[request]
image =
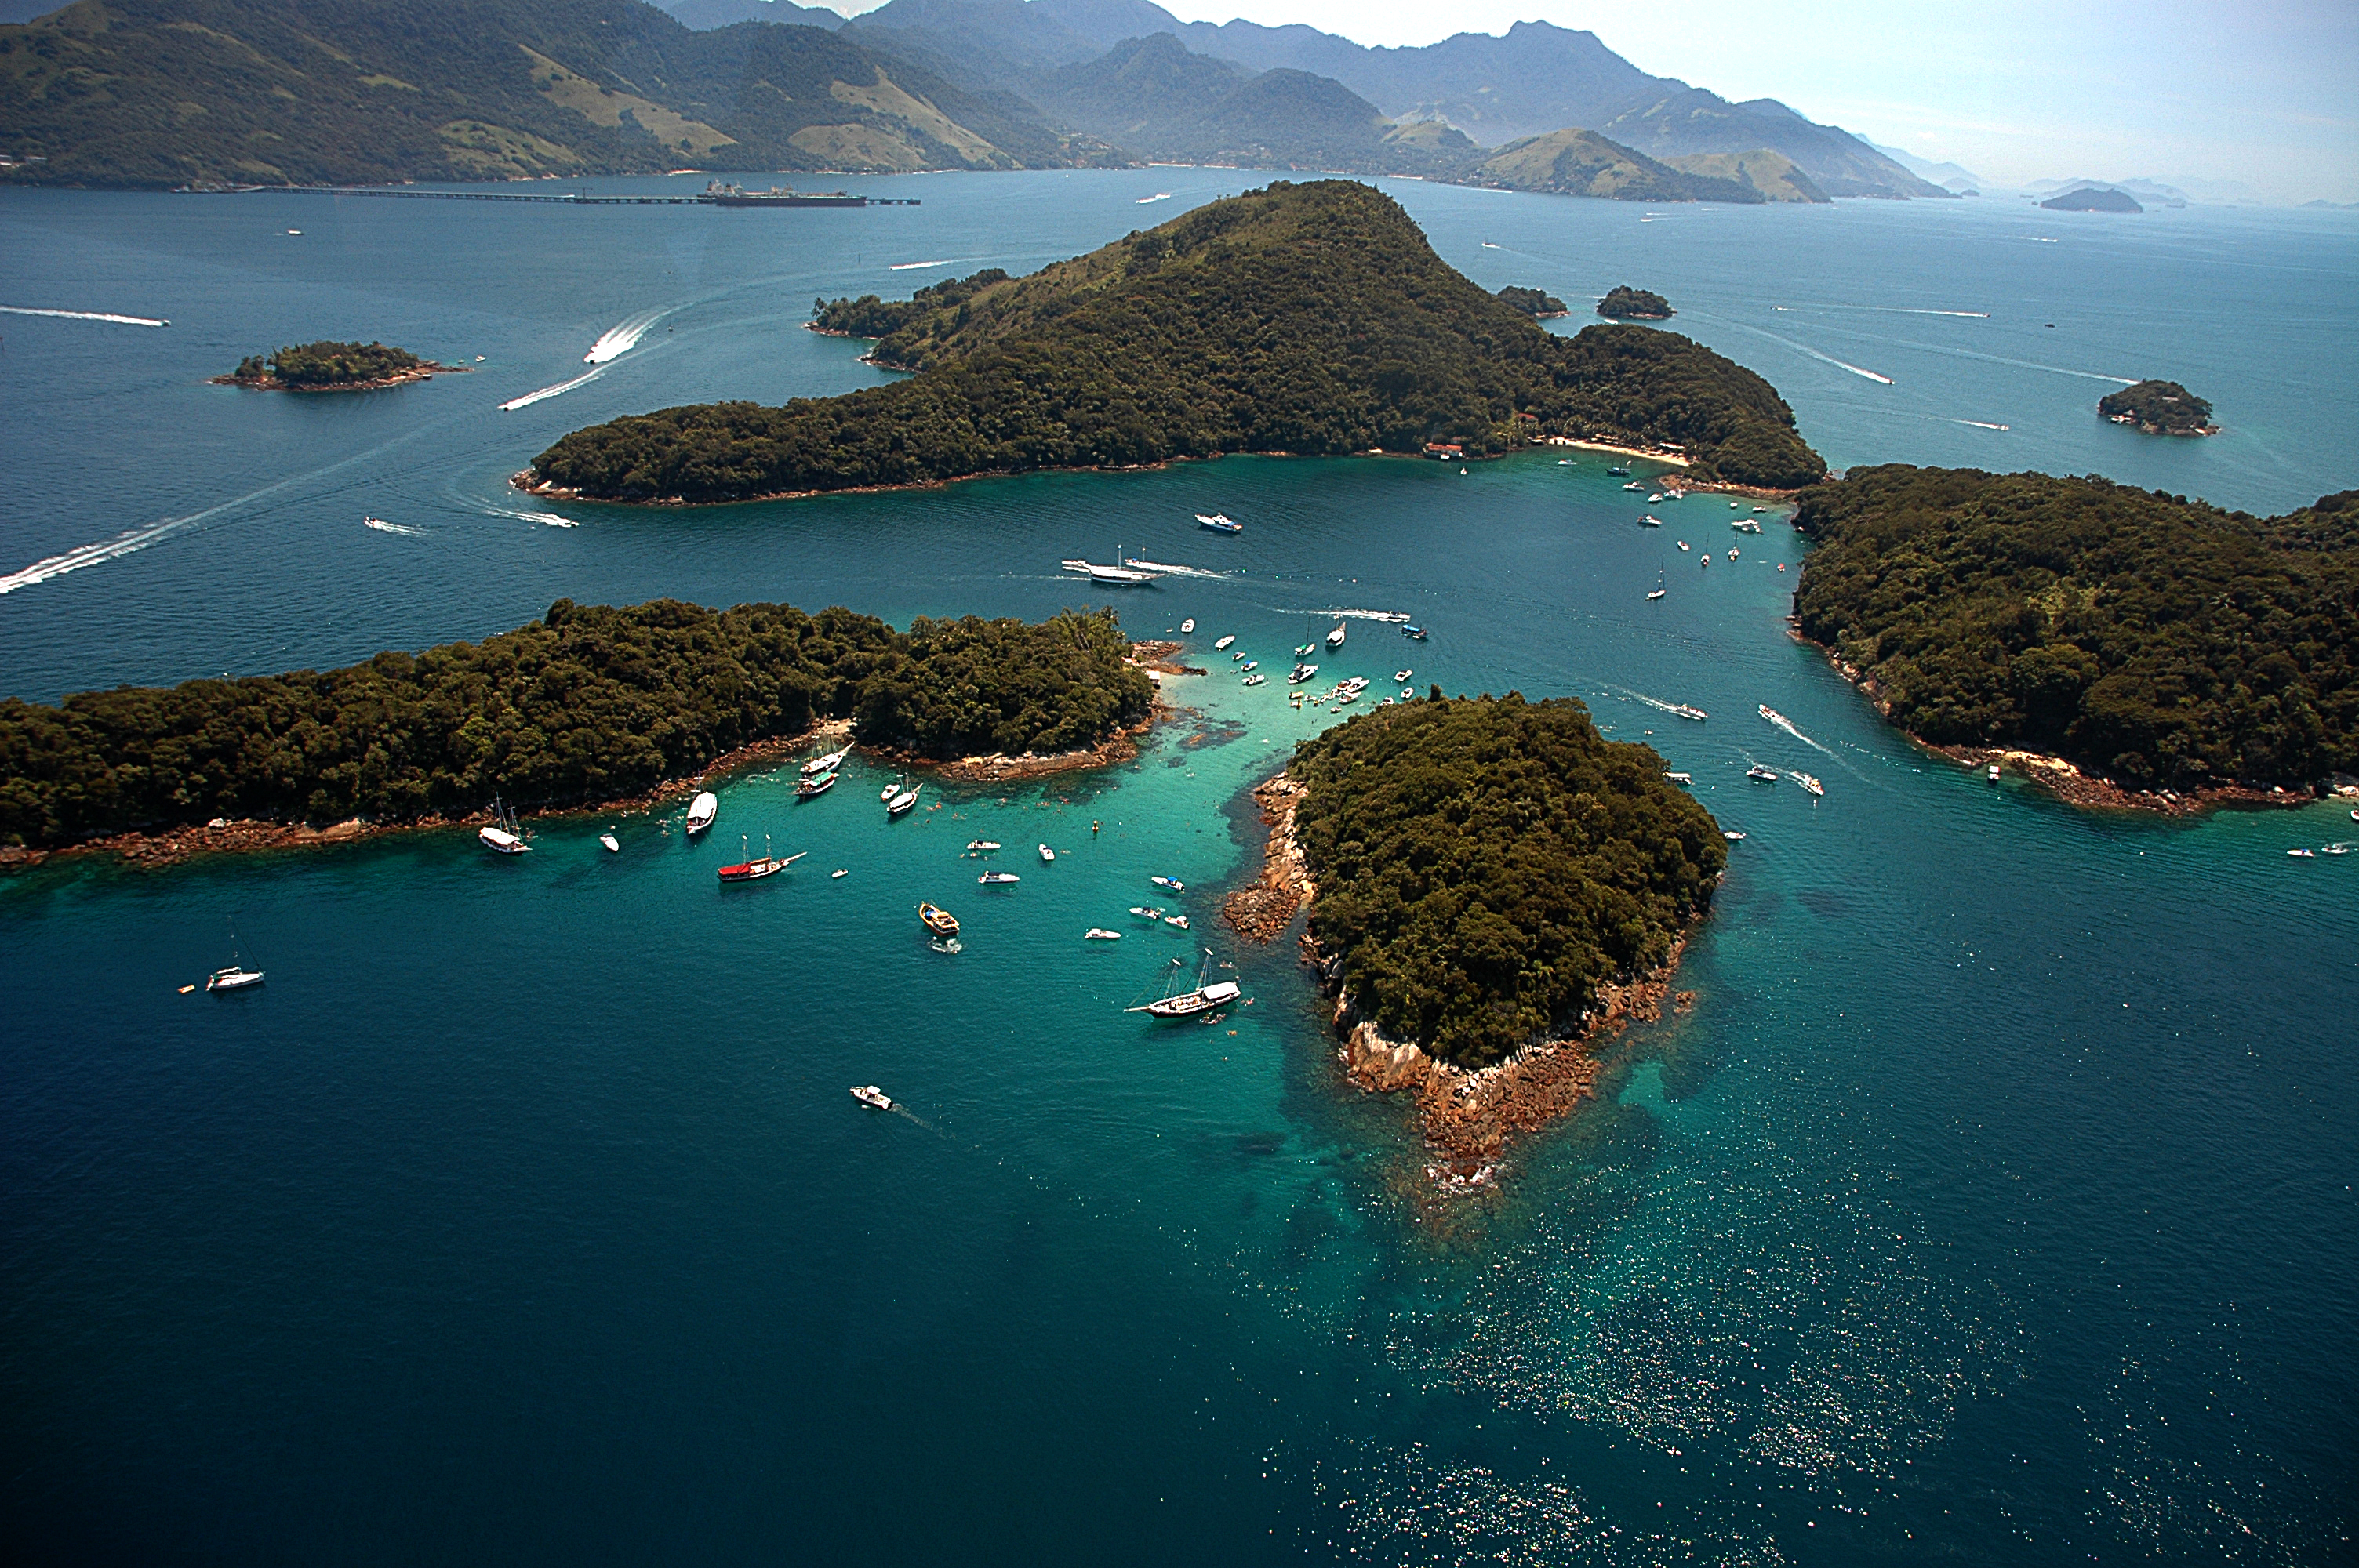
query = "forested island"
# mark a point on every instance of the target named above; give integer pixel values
(332, 367)
(2159, 408)
(2157, 642)
(1624, 303)
(1534, 303)
(589, 704)
(1301, 319)
(1495, 884)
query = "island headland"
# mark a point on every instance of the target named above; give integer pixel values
(1309, 319)
(591, 704)
(1624, 303)
(2124, 647)
(1538, 303)
(1495, 889)
(332, 367)
(2159, 408)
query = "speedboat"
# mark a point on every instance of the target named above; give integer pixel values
(1774, 716)
(1681, 778)
(1235, 656)
(1655, 497)
(1249, 664)
(2297, 854)
(1220, 523)
(1223, 643)
(826, 764)
(1682, 710)
(1305, 651)
(1048, 855)
(816, 784)
(612, 845)
(1707, 558)
(1402, 674)
(1407, 693)
(1146, 911)
(1188, 626)
(1335, 638)
(1182, 921)
(871, 1096)
(937, 920)
(1174, 883)
(1683, 543)
(702, 810)
(1732, 553)
(1634, 484)
(902, 802)
(993, 879)
(980, 845)
(1617, 471)
(1732, 835)
(1301, 673)
(1099, 933)
(1255, 680)
(839, 872)
(2334, 848)
(1808, 782)
(1765, 775)
(1657, 593)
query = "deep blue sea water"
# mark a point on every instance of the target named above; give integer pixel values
(1994, 1203)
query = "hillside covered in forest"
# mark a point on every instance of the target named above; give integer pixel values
(2158, 642)
(171, 93)
(1484, 864)
(588, 704)
(1305, 318)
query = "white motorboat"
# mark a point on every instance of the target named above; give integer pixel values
(1732, 835)
(1655, 497)
(1188, 627)
(1764, 775)
(1683, 545)
(1190, 1003)
(1255, 680)
(1221, 522)
(1993, 774)
(1179, 919)
(1335, 638)
(1146, 911)
(1402, 675)
(1682, 710)
(996, 879)
(1048, 855)
(826, 764)
(871, 1096)
(1223, 643)
(1634, 484)
(839, 872)
(1774, 716)
(980, 845)
(612, 845)
(901, 803)
(1174, 883)
(1683, 779)
(1301, 673)
(1808, 782)
(892, 789)
(2297, 854)
(702, 810)
(1099, 933)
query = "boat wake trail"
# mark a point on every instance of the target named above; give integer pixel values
(1389, 616)
(900, 1110)
(73, 560)
(86, 316)
(1890, 309)
(382, 526)
(1167, 569)
(546, 393)
(622, 338)
(921, 266)
(1823, 358)
(549, 518)
(1650, 701)
(1782, 722)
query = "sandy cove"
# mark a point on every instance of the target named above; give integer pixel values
(2062, 779)
(1466, 1116)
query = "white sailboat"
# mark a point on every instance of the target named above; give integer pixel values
(506, 837)
(1190, 1003)
(702, 811)
(1335, 638)
(902, 802)
(826, 764)
(236, 977)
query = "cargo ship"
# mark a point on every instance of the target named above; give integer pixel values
(722, 195)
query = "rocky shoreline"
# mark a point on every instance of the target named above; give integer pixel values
(2063, 779)
(1466, 1117)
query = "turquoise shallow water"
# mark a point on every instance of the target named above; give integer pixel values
(1993, 1200)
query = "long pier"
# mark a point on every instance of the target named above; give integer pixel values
(571, 198)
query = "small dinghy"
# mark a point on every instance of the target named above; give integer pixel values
(1048, 855)
(1188, 627)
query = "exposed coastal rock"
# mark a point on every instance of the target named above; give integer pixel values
(425, 371)
(1466, 1116)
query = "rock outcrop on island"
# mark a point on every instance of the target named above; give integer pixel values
(2093, 199)
(332, 367)
(1309, 319)
(2159, 408)
(2159, 643)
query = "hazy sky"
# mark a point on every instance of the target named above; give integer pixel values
(2265, 92)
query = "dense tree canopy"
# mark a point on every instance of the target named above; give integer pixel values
(2159, 641)
(1625, 303)
(587, 704)
(870, 317)
(1305, 318)
(327, 364)
(1483, 864)
(1532, 301)
(2159, 408)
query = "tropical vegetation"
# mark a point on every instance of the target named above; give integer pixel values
(870, 317)
(325, 364)
(1483, 864)
(1625, 303)
(1304, 319)
(2160, 641)
(2159, 408)
(1533, 301)
(589, 703)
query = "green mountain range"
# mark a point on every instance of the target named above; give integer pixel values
(1582, 163)
(1304, 319)
(168, 92)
